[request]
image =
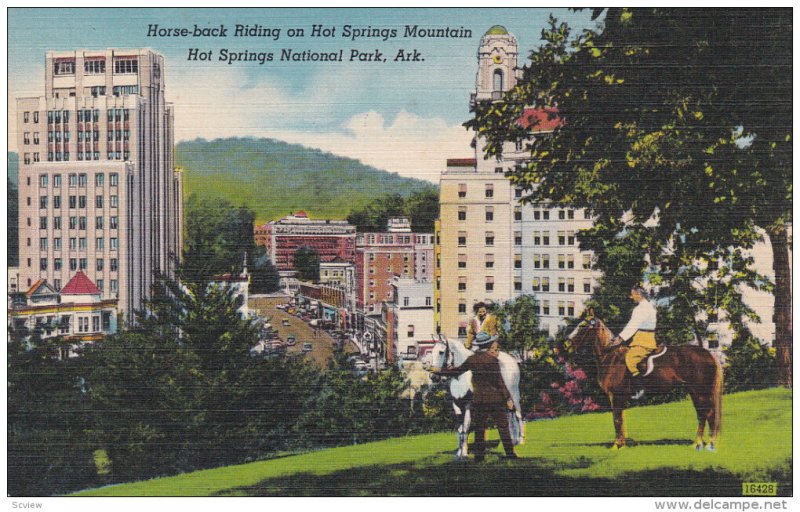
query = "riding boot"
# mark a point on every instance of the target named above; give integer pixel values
(637, 384)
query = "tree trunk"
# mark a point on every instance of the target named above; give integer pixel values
(782, 315)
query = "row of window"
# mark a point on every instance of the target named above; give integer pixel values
(79, 222)
(565, 261)
(26, 116)
(78, 264)
(96, 66)
(77, 201)
(79, 180)
(78, 243)
(565, 238)
(565, 285)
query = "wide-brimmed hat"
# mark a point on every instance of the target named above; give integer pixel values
(484, 339)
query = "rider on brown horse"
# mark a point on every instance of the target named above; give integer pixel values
(642, 328)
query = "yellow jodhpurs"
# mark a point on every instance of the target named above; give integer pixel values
(641, 346)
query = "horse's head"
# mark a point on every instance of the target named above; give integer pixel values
(591, 329)
(440, 355)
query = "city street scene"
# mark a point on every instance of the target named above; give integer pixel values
(356, 252)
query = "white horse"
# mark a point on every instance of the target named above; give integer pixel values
(454, 353)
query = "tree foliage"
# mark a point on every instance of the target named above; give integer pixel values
(677, 138)
(421, 208)
(518, 325)
(306, 263)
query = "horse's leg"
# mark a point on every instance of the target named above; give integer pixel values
(617, 408)
(703, 411)
(463, 450)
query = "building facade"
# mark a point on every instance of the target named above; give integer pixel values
(492, 247)
(408, 318)
(382, 256)
(98, 191)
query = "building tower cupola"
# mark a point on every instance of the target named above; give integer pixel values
(497, 63)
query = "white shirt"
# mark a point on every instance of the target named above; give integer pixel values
(643, 317)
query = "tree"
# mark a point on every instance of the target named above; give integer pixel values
(218, 235)
(518, 325)
(306, 263)
(672, 131)
(421, 208)
(264, 277)
(12, 228)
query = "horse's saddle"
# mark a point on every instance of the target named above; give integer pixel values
(647, 365)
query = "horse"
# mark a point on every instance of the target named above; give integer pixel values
(453, 354)
(690, 366)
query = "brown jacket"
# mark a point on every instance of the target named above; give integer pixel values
(487, 381)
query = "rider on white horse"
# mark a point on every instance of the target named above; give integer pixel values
(491, 396)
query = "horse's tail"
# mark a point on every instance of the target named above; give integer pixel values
(716, 397)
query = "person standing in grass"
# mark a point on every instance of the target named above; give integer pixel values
(491, 400)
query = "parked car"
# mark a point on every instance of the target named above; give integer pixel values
(285, 323)
(291, 341)
(280, 306)
(308, 347)
(291, 311)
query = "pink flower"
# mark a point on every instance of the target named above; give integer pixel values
(579, 374)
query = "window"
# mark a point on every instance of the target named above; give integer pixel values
(536, 284)
(517, 193)
(537, 215)
(545, 284)
(26, 116)
(73, 180)
(570, 284)
(42, 263)
(113, 201)
(561, 261)
(497, 81)
(462, 307)
(98, 222)
(561, 308)
(99, 264)
(82, 223)
(517, 285)
(82, 243)
(26, 158)
(98, 201)
(73, 222)
(545, 238)
(517, 213)
(124, 90)
(462, 238)
(537, 238)
(36, 139)
(462, 284)
(43, 180)
(545, 261)
(462, 213)
(99, 178)
(428, 301)
(113, 264)
(587, 215)
(587, 285)
(489, 190)
(73, 244)
(94, 66)
(83, 263)
(462, 331)
(561, 215)
(43, 202)
(571, 238)
(35, 157)
(537, 261)
(489, 214)
(113, 285)
(570, 261)
(125, 65)
(113, 179)
(570, 214)
(56, 181)
(489, 261)
(489, 238)
(57, 243)
(462, 190)
(42, 222)
(546, 307)
(57, 264)
(43, 244)
(462, 261)
(81, 201)
(36, 117)
(545, 215)
(56, 202)
(489, 283)
(73, 201)
(517, 237)
(99, 243)
(83, 180)
(517, 261)
(64, 67)
(113, 244)
(73, 264)
(561, 284)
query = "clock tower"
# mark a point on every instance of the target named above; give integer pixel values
(497, 63)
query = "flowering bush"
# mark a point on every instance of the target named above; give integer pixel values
(555, 387)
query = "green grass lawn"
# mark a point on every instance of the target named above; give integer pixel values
(564, 457)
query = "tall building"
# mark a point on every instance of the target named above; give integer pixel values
(98, 191)
(490, 246)
(381, 256)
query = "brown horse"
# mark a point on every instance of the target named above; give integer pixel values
(695, 368)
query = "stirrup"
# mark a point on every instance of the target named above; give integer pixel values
(638, 395)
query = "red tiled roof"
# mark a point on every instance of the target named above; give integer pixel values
(461, 162)
(301, 213)
(80, 285)
(540, 119)
(35, 287)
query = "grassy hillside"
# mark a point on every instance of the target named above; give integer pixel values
(275, 178)
(564, 457)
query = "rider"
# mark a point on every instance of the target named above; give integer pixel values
(642, 329)
(482, 322)
(491, 399)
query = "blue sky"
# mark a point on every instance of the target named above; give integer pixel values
(403, 117)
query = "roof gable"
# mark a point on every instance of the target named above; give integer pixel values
(80, 284)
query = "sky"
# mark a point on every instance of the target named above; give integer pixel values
(380, 113)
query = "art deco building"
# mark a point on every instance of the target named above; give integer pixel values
(492, 247)
(98, 191)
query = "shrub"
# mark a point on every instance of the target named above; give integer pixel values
(749, 365)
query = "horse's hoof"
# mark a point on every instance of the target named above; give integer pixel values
(698, 447)
(711, 448)
(616, 447)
